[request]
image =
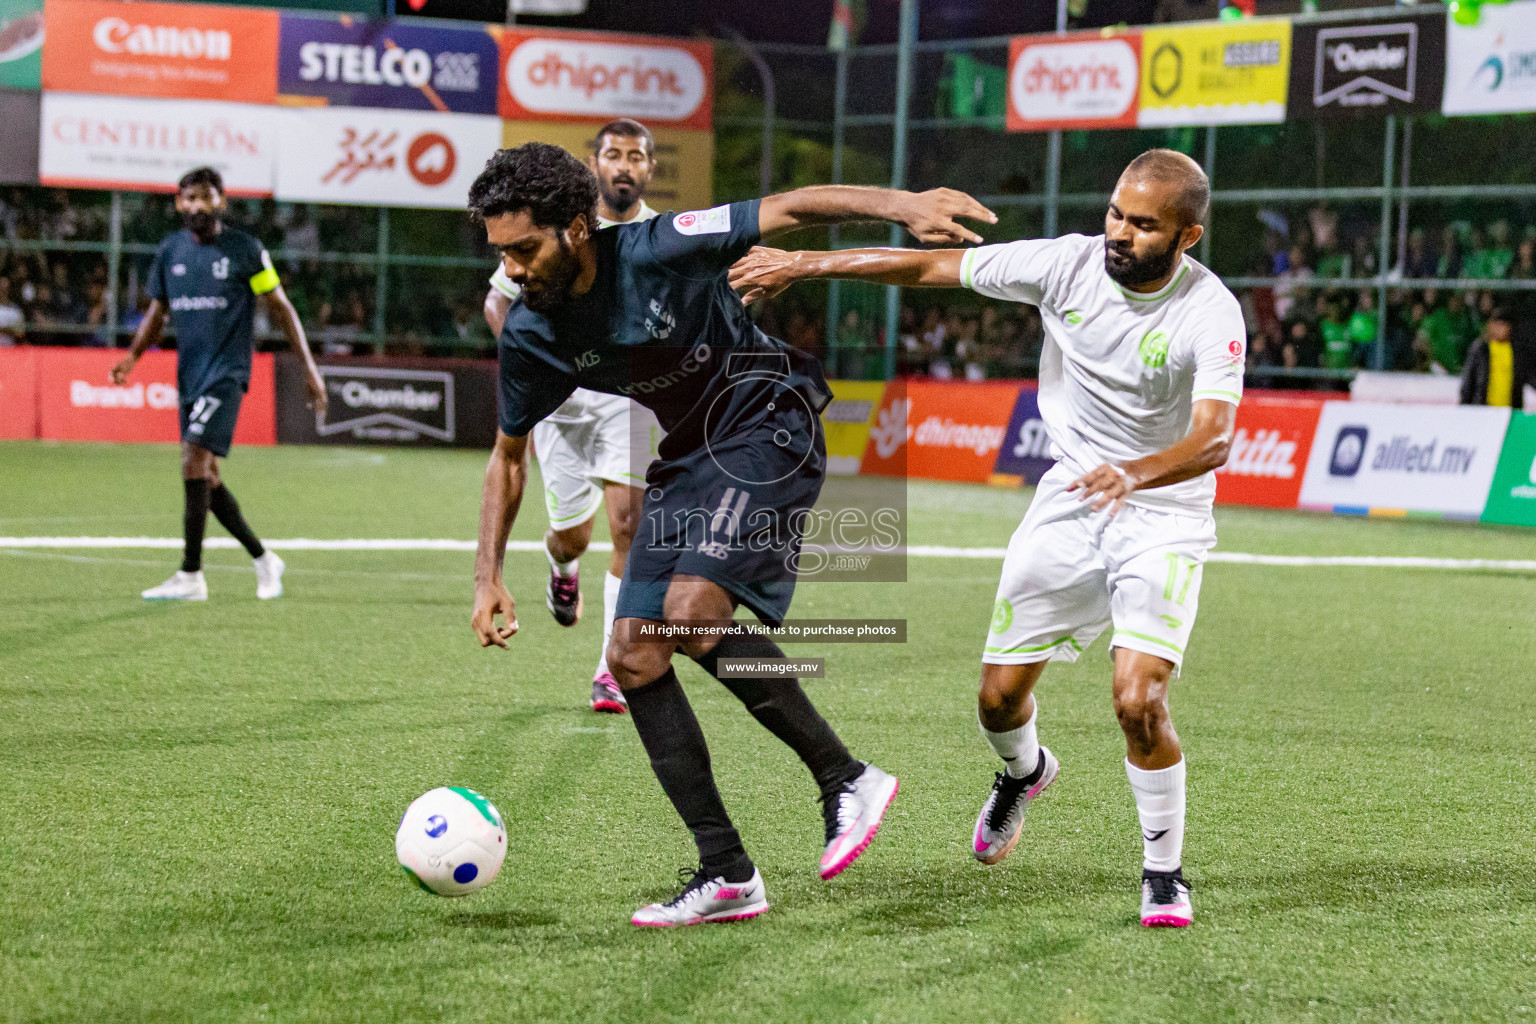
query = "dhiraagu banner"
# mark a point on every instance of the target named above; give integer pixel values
(1216, 73)
(1512, 497)
(21, 44)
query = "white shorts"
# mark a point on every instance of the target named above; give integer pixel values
(592, 440)
(1070, 572)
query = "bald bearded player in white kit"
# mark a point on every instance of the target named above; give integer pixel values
(1140, 378)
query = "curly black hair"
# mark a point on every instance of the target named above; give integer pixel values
(551, 184)
(202, 176)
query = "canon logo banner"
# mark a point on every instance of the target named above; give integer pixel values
(169, 50)
(566, 78)
(114, 35)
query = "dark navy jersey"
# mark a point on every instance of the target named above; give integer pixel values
(662, 326)
(210, 292)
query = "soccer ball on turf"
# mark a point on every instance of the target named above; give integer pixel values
(451, 841)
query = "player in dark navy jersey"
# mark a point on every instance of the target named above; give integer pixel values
(209, 278)
(645, 310)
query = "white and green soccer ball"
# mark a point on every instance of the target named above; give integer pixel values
(451, 841)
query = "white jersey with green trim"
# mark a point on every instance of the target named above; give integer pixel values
(583, 404)
(1120, 370)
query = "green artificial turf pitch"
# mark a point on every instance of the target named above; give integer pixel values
(197, 803)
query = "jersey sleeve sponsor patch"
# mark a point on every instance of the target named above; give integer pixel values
(265, 279)
(703, 222)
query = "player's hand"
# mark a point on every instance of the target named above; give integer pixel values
(491, 600)
(1106, 487)
(932, 216)
(762, 273)
(121, 371)
(316, 388)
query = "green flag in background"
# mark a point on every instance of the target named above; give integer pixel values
(848, 18)
(21, 44)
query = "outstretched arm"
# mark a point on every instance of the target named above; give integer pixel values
(280, 309)
(1203, 449)
(147, 334)
(764, 272)
(931, 216)
(505, 477)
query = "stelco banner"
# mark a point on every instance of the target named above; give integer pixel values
(1080, 80)
(383, 157)
(1221, 73)
(1490, 67)
(1367, 67)
(1026, 452)
(175, 50)
(586, 77)
(117, 142)
(357, 63)
(1395, 459)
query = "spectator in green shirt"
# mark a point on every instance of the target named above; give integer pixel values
(1338, 348)
(1362, 324)
(1447, 333)
(1501, 251)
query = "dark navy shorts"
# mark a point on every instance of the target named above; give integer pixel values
(733, 512)
(208, 419)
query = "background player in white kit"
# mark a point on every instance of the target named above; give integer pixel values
(1140, 378)
(595, 446)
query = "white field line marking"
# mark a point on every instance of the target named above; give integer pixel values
(916, 551)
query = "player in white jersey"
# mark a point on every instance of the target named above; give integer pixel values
(595, 446)
(1140, 378)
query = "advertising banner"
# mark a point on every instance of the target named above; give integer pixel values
(941, 430)
(20, 114)
(1341, 68)
(1026, 451)
(685, 158)
(1512, 496)
(1370, 459)
(551, 76)
(183, 51)
(77, 400)
(116, 142)
(351, 62)
(18, 393)
(1490, 67)
(383, 157)
(426, 402)
(1269, 451)
(1079, 80)
(846, 423)
(1219, 73)
(22, 30)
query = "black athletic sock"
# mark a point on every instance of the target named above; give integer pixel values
(194, 519)
(782, 707)
(223, 505)
(672, 738)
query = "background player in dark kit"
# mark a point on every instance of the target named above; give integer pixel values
(209, 278)
(645, 310)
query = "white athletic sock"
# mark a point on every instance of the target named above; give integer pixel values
(610, 602)
(565, 569)
(1019, 748)
(1160, 806)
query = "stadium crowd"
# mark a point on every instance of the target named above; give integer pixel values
(54, 290)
